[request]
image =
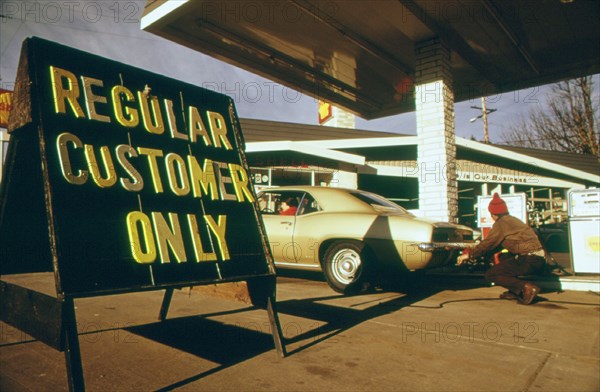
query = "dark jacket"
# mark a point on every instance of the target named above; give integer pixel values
(511, 234)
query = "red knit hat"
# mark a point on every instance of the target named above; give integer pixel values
(497, 206)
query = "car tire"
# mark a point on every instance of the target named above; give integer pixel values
(344, 266)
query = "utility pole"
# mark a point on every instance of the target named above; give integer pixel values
(486, 134)
(484, 113)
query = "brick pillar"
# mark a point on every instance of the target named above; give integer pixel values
(345, 175)
(436, 151)
(342, 118)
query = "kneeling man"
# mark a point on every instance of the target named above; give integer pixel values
(525, 253)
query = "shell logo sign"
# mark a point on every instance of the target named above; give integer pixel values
(325, 112)
(5, 107)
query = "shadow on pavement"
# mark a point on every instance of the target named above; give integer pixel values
(338, 319)
(228, 345)
(220, 343)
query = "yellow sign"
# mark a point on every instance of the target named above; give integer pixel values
(5, 107)
(325, 111)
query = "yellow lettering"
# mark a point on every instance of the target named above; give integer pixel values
(152, 154)
(65, 162)
(137, 220)
(201, 256)
(172, 160)
(155, 124)
(202, 179)
(218, 129)
(123, 151)
(196, 127)
(60, 93)
(175, 134)
(219, 230)
(169, 238)
(111, 174)
(222, 180)
(240, 183)
(91, 99)
(132, 119)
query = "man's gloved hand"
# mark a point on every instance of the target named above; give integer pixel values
(462, 258)
(465, 255)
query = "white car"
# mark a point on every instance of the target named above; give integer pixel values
(353, 236)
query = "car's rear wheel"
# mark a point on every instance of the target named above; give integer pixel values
(344, 266)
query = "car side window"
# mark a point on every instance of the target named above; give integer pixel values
(308, 205)
(279, 203)
(267, 202)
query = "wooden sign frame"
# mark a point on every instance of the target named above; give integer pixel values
(120, 180)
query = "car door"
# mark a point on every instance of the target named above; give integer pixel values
(306, 246)
(280, 228)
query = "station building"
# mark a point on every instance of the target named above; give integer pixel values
(386, 163)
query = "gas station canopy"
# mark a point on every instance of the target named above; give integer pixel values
(360, 55)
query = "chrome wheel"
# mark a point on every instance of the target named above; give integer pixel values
(346, 266)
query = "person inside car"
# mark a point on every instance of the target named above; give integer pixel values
(289, 206)
(525, 253)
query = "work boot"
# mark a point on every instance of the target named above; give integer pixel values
(509, 295)
(529, 293)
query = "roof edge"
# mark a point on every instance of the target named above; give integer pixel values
(505, 153)
(156, 10)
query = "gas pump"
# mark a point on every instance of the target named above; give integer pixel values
(584, 230)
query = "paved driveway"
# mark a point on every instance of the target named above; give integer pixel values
(442, 336)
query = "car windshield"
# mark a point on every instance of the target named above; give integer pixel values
(378, 202)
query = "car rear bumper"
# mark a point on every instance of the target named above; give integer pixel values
(444, 246)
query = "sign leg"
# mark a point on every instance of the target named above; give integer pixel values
(275, 327)
(72, 351)
(164, 308)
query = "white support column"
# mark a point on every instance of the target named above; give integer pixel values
(497, 189)
(484, 189)
(436, 152)
(343, 67)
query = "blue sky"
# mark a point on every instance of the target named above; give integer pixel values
(112, 29)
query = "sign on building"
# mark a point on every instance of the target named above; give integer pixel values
(5, 107)
(516, 203)
(325, 112)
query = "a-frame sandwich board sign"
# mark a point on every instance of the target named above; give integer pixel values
(120, 180)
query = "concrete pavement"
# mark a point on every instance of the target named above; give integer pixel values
(442, 336)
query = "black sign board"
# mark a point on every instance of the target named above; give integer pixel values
(144, 178)
(118, 179)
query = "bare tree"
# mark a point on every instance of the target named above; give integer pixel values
(568, 123)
